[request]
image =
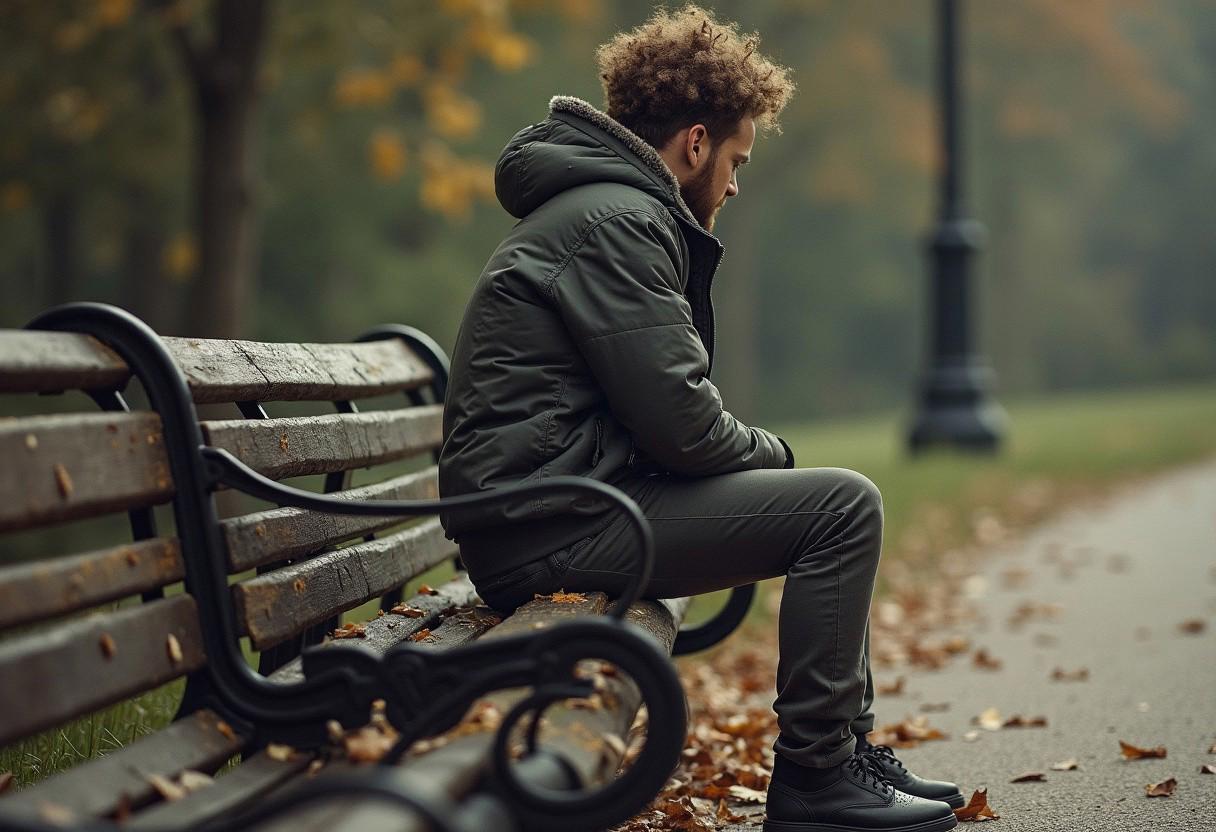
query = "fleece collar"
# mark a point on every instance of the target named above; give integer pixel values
(640, 147)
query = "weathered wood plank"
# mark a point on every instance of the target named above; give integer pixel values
(80, 465)
(47, 588)
(279, 604)
(60, 672)
(48, 362)
(301, 445)
(97, 788)
(254, 778)
(386, 631)
(288, 533)
(228, 371)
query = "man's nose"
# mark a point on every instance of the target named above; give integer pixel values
(732, 187)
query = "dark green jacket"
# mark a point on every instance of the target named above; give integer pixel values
(587, 344)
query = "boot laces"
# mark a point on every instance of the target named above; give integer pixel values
(865, 768)
(886, 754)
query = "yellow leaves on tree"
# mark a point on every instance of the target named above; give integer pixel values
(450, 113)
(179, 258)
(386, 155)
(363, 88)
(450, 185)
(14, 196)
(113, 12)
(74, 115)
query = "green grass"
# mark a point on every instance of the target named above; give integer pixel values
(1059, 449)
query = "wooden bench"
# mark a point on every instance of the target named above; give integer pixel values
(177, 600)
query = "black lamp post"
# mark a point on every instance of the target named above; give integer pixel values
(956, 407)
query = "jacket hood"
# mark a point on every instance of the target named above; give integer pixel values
(579, 145)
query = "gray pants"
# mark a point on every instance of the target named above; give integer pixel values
(821, 528)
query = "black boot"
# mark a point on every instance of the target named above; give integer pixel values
(894, 772)
(850, 797)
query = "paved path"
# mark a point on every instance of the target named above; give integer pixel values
(1125, 574)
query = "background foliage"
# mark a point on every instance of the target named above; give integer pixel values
(364, 192)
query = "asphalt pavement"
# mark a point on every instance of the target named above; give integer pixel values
(1105, 591)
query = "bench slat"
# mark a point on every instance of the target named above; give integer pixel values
(277, 605)
(286, 533)
(255, 777)
(389, 630)
(48, 362)
(230, 371)
(299, 445)
(47, 588)
(57, 673)
(81, 465)
(96, 788)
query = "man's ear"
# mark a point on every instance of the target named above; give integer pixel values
(696, 145)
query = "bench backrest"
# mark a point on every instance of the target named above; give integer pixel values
(81, 630)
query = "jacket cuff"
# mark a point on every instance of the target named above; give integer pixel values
(789, 454)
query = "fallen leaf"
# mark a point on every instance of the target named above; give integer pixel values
(369, 744)
(724, 813)
(174, 648)
(424, 633)
(1212, 750)
(350, 630)
(108, 647)
(1059, 674)
(425, 589)
(283, 443)
(1030, 777)
(56, 815)
(989, 720)
(279, 752)
(226, 729)
(745, 795)
(983, 660)
(166, 788)
(1165, 788)
(563, 597)
(1066, 765)
(1193, 626)
(191, 780)
(408, 611)
(1132, 752)
(894, 689)
(63, 480)
(1019, 721)
(1206, 768)
(977, 809)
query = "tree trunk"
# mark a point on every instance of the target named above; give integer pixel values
(145, 289)
(226, 86)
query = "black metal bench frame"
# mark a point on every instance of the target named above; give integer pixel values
(425, 692)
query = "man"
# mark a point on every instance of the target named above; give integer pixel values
(586, 350)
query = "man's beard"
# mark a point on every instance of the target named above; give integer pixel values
(698, 194)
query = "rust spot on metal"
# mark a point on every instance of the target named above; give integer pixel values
(63, 480)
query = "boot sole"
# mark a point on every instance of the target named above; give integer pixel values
(935, 825)
(954, 801)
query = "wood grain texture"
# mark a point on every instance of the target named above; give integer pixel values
(49, 362)
(277, 605)
(301, 445)
(386, 631)
(53, 674)
(235, 791)
(96, 788)
(288, 533)
(229, 371)
(46, 588)
(80, 465)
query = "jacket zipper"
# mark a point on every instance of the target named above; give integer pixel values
(599, 442)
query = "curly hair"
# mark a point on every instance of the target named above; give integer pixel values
(684, 67)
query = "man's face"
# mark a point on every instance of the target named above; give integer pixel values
(705, 192)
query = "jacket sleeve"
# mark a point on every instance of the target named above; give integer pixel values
(620, 297)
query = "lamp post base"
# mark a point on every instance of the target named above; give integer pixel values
(957, 410)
